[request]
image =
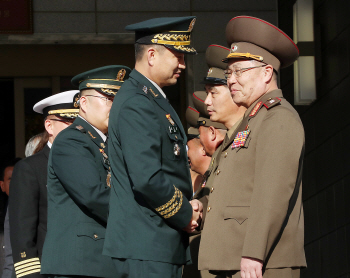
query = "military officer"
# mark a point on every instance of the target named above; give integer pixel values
(201, 163)
(211, 133)
(79, 181)
(255, 207)
(151, 186)
(28, 201)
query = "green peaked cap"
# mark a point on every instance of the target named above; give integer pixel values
(172, 32)
(106, 80)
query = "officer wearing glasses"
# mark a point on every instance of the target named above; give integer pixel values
(28, 201)
(254, 222)
(79, 182)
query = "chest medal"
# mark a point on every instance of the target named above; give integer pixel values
(240, 139)
(176, 149)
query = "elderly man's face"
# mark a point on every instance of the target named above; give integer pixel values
(249, 85)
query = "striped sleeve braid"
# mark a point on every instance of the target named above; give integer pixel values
(27, 267)
(173, 206)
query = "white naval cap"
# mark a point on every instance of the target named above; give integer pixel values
(62, 104)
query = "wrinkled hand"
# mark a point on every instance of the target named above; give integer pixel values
(251, 268)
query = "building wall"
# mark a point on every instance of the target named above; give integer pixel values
(74, 36)
(326, 179)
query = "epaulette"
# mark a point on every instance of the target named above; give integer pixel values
(80, 128)
(271, 102)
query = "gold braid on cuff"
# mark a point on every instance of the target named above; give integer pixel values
(173, 206)
(27, 267)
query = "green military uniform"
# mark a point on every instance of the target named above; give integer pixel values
(151, 185)
(78, 190)
(255, 206)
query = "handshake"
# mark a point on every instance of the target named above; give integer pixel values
(197, 214)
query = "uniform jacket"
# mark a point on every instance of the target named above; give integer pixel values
(77, 204)
(255, 208)
(28, 212)
(151, 183)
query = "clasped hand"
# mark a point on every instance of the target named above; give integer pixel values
(197, 213)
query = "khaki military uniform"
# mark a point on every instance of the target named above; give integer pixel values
(255, 207)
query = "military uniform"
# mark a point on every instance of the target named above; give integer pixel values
(198, 118)
(255, 205)
(146, 134)
(78, 190)
(28, 201)
(151, 185)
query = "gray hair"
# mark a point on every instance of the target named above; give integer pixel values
(32, 144)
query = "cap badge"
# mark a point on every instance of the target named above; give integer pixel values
(121, 75)
(210, 71)
(176, 149)
(170, 119)
(144, 89)
(240, 139)
(191, 25)
(234, 48)
(76, 101)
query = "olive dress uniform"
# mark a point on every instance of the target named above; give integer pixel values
(255, 206)
(78, 199)
(28, 194)
(252, 203)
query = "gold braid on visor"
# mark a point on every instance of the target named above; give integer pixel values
(246, 55)
(171, 42)
(61, 111)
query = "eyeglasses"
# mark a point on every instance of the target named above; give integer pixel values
(237, 71)
(108, 100)
(67, 121)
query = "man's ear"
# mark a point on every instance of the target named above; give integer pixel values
(83, 102)
(49, 127)
(151, 55)
(268, 73)
(203, 153)
(212, 133)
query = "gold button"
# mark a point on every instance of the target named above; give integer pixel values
(95, 236)
(225, 155)
(208, 209)
(218, 172)
(175, 137)
(211, 190)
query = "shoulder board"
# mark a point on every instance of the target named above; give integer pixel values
(271, 102)
(80, 128)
